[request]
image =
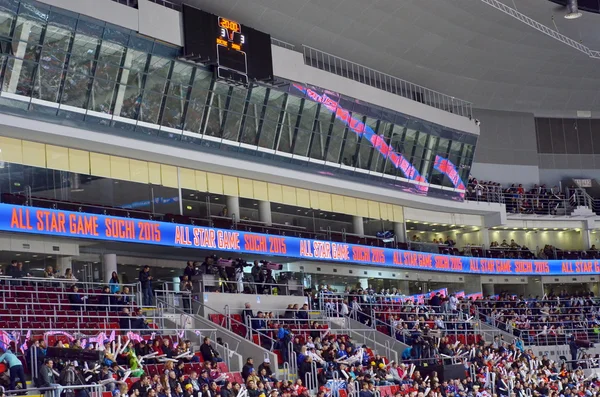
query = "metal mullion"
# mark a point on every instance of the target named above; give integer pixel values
(261, 119)
(297, 126)
(37, 61)
(312, 134)
(359, 141)
(245, 112)
(280, 121)
(163, 102)
(188, 97)
(373, 149)
(113, 101)
(92, 74)
(329, 133)
(143, 85)
(226, 111)
(61, 89)
(207, 104)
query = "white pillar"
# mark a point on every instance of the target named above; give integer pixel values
(109, 265)
(485, 237)
(264, 212)
(587, 239)
(233, 207)
(364, 283)
(358, 225)
(62, 264)
(400, 232)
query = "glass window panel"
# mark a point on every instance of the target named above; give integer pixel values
(231, 129)
(585, 136)
(350, 144)
(571, 139)
(28, 51)
(134, 66)
(289, 124)
(109, 61)
(47, 81)
(237, 100)
(558, 136)
(158, 71)
(274, 104)
(115, 35)
(429, 157)
(102, 94)
(268, 133)
(27, 30)
(202, 82)
(250, 130)
(215, 118)
(180, 79)
(378, 162)
(217, 109)
(307, 121)
(173, 113)
(6, 20)
(18, 78)
(76, 89)
(150, 109)
(130, 104)
(366, 150)
(317, 146)
(335, 141)
(542, 132)
(419, 150)
(56, 39)
(399, 146)
(194, 116)
(82, 54)
(89, 28)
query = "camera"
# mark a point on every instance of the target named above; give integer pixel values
(272, 266)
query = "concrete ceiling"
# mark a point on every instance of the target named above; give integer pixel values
(463, 48)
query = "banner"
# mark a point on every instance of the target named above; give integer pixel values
(109, 228)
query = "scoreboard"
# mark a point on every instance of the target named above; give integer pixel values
(238, 53)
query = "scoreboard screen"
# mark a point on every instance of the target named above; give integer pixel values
(238, 52)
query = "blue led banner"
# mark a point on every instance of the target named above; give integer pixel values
(100, 227)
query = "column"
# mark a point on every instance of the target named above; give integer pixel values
(264, 212)
(233, 207)
(62, 264)
(400, 232)
(109, 265)
(587, 240)
(485, 237)
(358, 225)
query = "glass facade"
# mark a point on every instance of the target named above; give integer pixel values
(67, 68)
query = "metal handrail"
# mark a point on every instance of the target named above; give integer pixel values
(383, 81)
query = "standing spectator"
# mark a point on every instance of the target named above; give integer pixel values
(46, 378)
(247, 315)
(186, 289)
(69, 275)
(114, 283)
(146, 282)
(16, 370)
(77, 301)
(190, 270)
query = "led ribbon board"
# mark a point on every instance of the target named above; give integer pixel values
(14, 218)
(448, 168)
(361, 129)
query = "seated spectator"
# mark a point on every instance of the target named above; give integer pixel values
(208, 352)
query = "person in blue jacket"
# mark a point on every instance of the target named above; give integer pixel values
(16, 369)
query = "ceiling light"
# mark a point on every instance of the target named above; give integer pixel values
(566, 228)
(572, 10)
(26, 261)
(278, 208)
(17, 254)
(191, 194)
(555, 228)
(35, 256)
(216, 198)
(433, 230)
(255, 204)
(434, 224)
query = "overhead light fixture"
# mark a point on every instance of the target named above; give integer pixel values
(572, 10)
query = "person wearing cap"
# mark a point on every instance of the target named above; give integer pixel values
(266, 365)
(252, 377)
(188, 390)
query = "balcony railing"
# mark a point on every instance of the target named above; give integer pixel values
(383, 81)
